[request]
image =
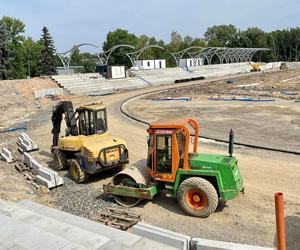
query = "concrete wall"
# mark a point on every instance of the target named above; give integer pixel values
(151, 64)
(116, 72)
(190, 62)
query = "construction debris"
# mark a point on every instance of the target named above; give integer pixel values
(21, 167)
(118, 218)
(247, 85)
(44, 176)
(26, 144)
(6, 155)
(12, 129)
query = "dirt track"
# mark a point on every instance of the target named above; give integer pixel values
(248, 219)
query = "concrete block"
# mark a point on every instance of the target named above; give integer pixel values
(203, 244)
(26, 143)
(170, 238)
(42, 181)
(27, 159)
(58, 179)
(6, 155)
(43, 172)
(35, 166)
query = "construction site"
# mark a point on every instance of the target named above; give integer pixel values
(96, 171)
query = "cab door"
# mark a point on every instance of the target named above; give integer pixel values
(164, 156)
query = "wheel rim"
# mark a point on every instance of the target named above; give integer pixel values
(195, 198)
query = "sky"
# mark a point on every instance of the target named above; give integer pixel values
(72, 22)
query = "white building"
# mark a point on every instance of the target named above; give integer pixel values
(151, 64)
(191, 62)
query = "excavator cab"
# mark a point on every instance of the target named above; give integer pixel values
(92, 119)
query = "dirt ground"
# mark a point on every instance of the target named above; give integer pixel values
(273, 124)
(248, 219)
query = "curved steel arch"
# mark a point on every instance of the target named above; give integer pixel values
(104, 56)
(178, 55)
(134, 56)
(65, 57)
(206, 53)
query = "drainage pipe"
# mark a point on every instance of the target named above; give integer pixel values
(280, 226)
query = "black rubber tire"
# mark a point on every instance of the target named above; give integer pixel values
(206, 189)
(60, 159)
(77, 172)
(221, 205)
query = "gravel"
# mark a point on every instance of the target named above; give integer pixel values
(81, 199)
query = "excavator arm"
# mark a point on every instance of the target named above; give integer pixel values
(63, 108)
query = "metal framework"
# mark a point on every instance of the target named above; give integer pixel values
(134, 56)
(65, 57)
(178, 55)
(224, 54)
(104, 56)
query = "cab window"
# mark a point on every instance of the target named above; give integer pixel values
(164, 153)
(100, 122)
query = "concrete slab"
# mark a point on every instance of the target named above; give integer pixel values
(25, 236)
(6, 244)
(119, 239)
(76, 235)
(171, 238)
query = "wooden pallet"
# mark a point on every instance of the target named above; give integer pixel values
(118, 218)
(21, 167)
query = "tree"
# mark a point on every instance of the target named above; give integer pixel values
(5, 53)
(32, 54)
(15, 28)
(220, 35)
(48, 58)
(176, 41)
(117, 37)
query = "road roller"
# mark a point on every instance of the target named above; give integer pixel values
(198, 181)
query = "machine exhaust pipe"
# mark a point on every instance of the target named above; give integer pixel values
(231, 142)
(280, 226)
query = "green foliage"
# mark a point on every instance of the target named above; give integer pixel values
(120, 36)
(220, 35)
(5, 53)
(32, 54)
(87, 60)
(48, 58)
(21, 57)
(15, 29)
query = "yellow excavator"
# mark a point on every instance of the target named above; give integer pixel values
(87, 147)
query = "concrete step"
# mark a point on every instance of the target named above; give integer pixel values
(19, 235)
(118, 239)
(89, 87)
(62, 231)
